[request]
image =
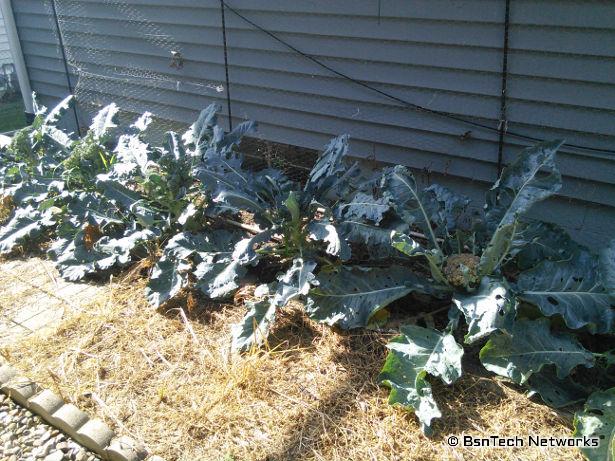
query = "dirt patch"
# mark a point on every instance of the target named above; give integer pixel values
(169, 380)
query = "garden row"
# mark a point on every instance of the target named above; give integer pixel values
(348, 245)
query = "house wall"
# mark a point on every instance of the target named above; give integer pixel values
(444, 55)
(5, 51)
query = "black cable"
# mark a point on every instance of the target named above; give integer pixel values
(65, 62)
(503, 122)
(228, 86)
(397, 99)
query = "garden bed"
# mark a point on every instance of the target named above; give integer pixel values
(332, 287)
(311, 394)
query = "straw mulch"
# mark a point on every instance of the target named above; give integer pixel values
(169, 380)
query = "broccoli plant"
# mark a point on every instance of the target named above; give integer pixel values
(539, 306)
(104, 205)
(523, 287)
(30, 178)
(301, 231)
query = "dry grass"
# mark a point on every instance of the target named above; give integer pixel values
(310, 396)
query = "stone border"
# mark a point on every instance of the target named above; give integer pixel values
(92, 434)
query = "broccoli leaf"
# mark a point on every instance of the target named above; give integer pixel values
(363, 207)
(532, 177)
(598, 420)
(26, 225)
(351, 296)
(555, 392)
(572, 289)
(410, 203)
(491, 308)
(530, 346)
(413, 354)
(253, 330)
(104, 121)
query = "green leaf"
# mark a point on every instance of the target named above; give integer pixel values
(295, 282)
(142, 123)
(377, 239)
(245, 253)
(133, 155)
(444, 207)
(497, 249)
(117, 192)
(55, 115)
(168, 277)
(253, 330)
(170, 274)
(351, 296)
(92, 208)
(572, 289)
(104, 121)
(218, 277)
(409, 202)
(238, 201)
(532, 177)
(326, 232)
(75, 259)
(554, 391)
(216, 273)
(529, 347)
(491, 308)
(598, 420)
(410, 247)
(201, 131)
(536, 241)
(412, 355)
(119, 249)
(32, 192)
(330, 177)
(363, 207)
(26, 225)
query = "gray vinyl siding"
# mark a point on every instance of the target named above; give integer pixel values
(440, 54)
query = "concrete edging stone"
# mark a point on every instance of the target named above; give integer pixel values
(93, 434)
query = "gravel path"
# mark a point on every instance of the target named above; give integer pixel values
(25, 437)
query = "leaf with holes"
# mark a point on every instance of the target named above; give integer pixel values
(529, 347)
(573, 289)
(555, 392)
(351, 296)
(532, 177)
(491, 308)
(327, 233)
(363, 207)
(598, 420)
(536, 241)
